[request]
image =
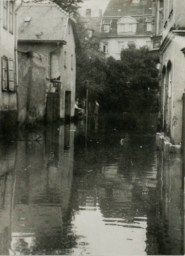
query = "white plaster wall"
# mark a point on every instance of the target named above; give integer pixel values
(68, 75)
(174, 54)
(175, 19)
(7, 45)
(113, 45)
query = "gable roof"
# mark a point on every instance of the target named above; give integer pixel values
(119, 8)
(42, 21)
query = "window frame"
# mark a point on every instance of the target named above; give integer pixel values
(105, 46)
(107, 26)
(4, 74)
(127, 28)
(7, 74)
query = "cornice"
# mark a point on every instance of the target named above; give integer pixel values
(167, 40)
(170, 36)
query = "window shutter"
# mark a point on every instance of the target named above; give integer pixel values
(4, 75)
(11, 75)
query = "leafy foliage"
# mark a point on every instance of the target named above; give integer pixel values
(126, 85)
(91, 66)
(70, 6)
(132, 82)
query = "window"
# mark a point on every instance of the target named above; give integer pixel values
(106, 25)
(106, 28)
(7, 78)
(71, 61)
(149, 27)
(65, 59)
(5, 14)
(4, 71)
(125, 28)
(105, 47)
(88, 12)
(11, 17)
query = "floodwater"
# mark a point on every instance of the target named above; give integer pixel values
(101, 191)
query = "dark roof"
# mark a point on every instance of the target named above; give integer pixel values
(120, 8)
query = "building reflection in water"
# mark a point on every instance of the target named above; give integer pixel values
(103, 199)
(38, 190)
(170, 219)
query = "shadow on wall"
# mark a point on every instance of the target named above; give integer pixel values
(32, 88)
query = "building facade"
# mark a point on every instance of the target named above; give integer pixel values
(157, 11)
(8, 99)
(47, 63)
(124, 24)
(92, 8)
(90, 16)
(172, 85)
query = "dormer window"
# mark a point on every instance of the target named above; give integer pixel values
(106, 26)
(127, 25)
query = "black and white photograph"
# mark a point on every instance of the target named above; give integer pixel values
(92, 127)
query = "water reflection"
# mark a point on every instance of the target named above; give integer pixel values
(62, 195)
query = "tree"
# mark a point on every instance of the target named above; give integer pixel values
(132, 82)
(91, 66)
(70, 6)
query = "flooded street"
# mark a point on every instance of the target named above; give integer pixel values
(101, 191)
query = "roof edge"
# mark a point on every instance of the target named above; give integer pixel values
(44, 4)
